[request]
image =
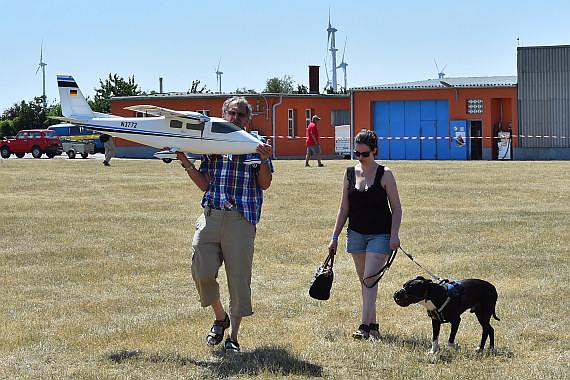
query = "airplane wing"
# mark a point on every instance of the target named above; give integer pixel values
(184, 116)
(68, 120)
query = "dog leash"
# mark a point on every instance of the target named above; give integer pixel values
(382, 270)
(387, 266)
(418, 264)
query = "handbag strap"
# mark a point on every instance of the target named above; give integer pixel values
(330, 258)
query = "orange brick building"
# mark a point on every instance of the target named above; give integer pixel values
(435, 119)
(428, 119)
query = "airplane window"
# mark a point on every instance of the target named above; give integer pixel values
(175, 124)
(73, 130)
(195, 127)
(224, 127)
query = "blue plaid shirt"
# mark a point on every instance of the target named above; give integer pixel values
(233, 184)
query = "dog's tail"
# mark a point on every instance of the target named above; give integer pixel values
(495, 316)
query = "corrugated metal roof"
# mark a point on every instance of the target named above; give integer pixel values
(186, 95)
(459, 82)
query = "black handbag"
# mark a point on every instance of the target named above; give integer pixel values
(320, 287)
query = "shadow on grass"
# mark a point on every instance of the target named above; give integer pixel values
(445, 354)
(413, 341)
(271, 360)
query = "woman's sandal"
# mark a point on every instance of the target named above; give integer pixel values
(216, 333)
(363, 332)
(231, 346)
(374, 330)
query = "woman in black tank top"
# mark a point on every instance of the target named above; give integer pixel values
(371, 204)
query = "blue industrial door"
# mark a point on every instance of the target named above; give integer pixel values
(412, 128)
(382, 128)
(412, 118)
(397, 124)
(442, 129)
(459, 146)
(428, 129)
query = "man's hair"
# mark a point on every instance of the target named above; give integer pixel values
(238, 100)
(369, 138)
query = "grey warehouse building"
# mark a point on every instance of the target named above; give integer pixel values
(543, 97)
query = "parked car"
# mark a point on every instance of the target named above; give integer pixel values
(35, 141)
(70, 132)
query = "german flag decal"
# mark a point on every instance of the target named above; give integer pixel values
(73, 92)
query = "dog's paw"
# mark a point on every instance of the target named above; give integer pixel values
(454, 345)
(434, 348)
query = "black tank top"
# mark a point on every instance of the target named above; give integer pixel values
(369, 212)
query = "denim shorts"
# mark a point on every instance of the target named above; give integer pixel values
(361, 243)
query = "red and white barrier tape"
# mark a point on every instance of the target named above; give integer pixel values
(427, 137)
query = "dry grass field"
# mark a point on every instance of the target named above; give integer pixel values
(95, 274)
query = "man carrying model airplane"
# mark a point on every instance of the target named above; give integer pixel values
(225, 232)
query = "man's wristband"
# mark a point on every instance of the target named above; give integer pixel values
(264, 161)
(189, 167)
(335, 238)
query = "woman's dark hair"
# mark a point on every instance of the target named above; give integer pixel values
(369, 138)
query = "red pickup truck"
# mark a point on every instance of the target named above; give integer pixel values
(36, 141)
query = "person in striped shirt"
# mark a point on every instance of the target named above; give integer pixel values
(225, 232)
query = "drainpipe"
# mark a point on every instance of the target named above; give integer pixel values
(273, 122)
(351, 129)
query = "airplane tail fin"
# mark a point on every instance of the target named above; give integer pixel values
(73, 103)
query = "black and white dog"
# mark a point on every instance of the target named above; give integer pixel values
(446, 302)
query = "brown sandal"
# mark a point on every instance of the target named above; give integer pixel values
(216, 334)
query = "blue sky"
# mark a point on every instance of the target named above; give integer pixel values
(181, 41)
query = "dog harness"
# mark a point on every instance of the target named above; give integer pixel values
(454, 290)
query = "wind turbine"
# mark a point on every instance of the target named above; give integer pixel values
(42, 65)
(440, 74)
(343, 64)
(331, 31)
(219, 77)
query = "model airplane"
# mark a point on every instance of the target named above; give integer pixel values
(183, 131)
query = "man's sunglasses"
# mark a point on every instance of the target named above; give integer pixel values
(364, 154)
(234, 113)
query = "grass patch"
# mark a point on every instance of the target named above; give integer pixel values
(95, 273)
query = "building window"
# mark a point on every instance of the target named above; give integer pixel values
(141, 114)
(291, 130)
(308, 117)
(474, 106)
(340, 117)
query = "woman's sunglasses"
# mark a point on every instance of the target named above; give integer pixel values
(364, 154)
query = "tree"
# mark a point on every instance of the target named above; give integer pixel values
(279, 86)
(301, 89)
(194, 89)
(28, 115)
(113, 86)
(244, 90)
